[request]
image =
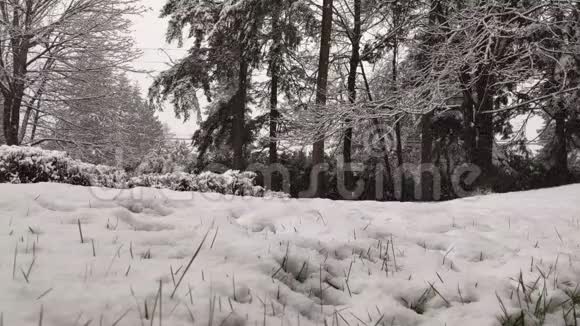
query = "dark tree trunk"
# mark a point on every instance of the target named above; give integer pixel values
(354, 63)
(469, 135)
(400, 160)
(238, 115)
(427, 156)
(561, 150)
(321, 87)
(6, 118)
(2, 140)
(484, 126)
(12, 118)
(205, 78)
(274, 72)
(13, 98)
(485, 140)
(12, 137)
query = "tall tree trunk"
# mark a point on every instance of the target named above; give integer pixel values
(561, 150)
(484, 125)
(238, 115)
(13, 98)
(321, 88)
(7, 117)
(485, 140)
(274, 72)
(204, 78)
(12, 117)
(354, 63)
(427, 156)
(469, 131)
(2, 140)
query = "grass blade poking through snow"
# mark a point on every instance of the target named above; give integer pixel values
(80, 231)
(14, 262)
(138, 306)
(41, 315)
(440, 295)
(215, 236)
(121, 317)
(43, 295)
(160, 302)
(189, 264)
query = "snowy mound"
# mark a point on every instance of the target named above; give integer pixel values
(477, 261)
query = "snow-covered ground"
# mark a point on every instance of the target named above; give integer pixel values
(265, 261)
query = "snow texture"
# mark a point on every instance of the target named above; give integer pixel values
(276, 261)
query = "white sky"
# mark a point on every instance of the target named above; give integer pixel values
(149, 31)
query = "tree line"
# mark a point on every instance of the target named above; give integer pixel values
(443, 83)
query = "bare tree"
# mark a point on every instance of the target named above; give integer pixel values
(41, 40)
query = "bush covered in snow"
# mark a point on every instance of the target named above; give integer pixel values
(230, 182)
(31, 165)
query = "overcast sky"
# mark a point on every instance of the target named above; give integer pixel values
(149, 33)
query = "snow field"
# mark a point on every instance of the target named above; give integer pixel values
(283, 262)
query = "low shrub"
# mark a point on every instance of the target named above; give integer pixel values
(229, 183)
(32, 165)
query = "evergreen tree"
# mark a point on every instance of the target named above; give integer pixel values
(225, 48)
(230, 39)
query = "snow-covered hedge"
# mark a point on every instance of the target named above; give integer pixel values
(230, 182)
(31, 165)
